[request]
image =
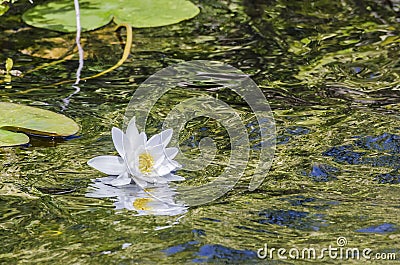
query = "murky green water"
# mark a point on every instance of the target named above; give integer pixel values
(330, 71)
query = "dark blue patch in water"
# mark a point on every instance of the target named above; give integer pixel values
(281, 217)
(300, 200)
(222, 254)
(199, 232)
(179, 248)
(323, 173)
(292, 219)
(388, 178)
(374, 76)
(191, 142)
(297, 130)
(383, 161)
(379, 229)
(357, 69)
(262, 145)
(388, 144)
(282, 139)
(345, 153)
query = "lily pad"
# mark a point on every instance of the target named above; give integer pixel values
(8, 138)
(16, 117)
(60, 15)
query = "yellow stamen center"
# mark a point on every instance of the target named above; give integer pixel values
(146, 162)
(141, 204)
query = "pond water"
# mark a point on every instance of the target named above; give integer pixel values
(330, 72)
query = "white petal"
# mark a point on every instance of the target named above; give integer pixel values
(172, 177)
(172, 165)
(159, 180)
(111, 165)
(123, 179)
(127, 143)
(171, 152)
(118, 136)
(141, 183)
(157, 152)
(162, 138)
(134, 149)
(159, 161)
(133, 161)
(132, 131)
(124, 202)
(165, 179)
(160, 171)
(140, 140)
(154, 140)
(166, 136)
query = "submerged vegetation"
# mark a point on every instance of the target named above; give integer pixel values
(330, 72)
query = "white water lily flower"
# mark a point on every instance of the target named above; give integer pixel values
(144, 161)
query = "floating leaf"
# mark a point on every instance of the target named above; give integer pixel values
(60, 15)
(16, 117)
(8, 138)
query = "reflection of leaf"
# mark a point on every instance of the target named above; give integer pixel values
(103, 41)
(60, 16)
(51, 48)
(18, 117)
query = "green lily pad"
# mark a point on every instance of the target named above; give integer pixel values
(60, 15)
(8, 138)
(16, 117)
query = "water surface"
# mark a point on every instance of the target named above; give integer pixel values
(330, 71)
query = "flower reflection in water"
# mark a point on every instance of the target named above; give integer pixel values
(133, 197)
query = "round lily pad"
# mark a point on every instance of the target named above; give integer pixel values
(20, 118)
(60, 15)
(8, 138)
